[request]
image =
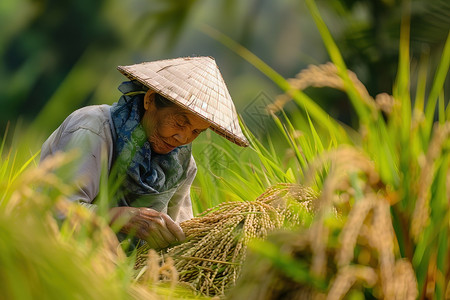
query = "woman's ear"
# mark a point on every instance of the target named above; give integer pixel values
(149, 99)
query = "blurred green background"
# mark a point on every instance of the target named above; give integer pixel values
(59, 55)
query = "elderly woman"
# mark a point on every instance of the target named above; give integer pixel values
(145, 139)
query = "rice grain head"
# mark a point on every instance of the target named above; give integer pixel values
(325, 75)
(421, 212)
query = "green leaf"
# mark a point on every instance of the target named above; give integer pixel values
(436, 88)
(364, 111)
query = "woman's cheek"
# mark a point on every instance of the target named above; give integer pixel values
(166, 131)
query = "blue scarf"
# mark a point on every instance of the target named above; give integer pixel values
(143, 171)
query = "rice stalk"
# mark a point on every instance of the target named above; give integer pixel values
(404, 284)
(351, 229)
(68, 220)
(421, 212)
(157, 270)
(327, 75)
(344, 161)
(349, 275)
(385, 102)
(327, 249)
(386, 276)
(53, 247)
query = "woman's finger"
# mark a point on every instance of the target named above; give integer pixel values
(174, 228)
(158, 227)
(152, 233)
(167, 235)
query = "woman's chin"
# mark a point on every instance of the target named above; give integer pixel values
(162, 149)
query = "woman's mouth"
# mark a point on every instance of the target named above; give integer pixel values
(168, 146)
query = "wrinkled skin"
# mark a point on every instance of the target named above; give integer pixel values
(155, 227)
(166, 129)
(170, 127)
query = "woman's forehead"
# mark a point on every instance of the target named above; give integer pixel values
(193, 119)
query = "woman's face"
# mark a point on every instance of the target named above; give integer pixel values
(169, 127)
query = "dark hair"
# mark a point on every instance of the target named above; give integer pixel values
(161, 101)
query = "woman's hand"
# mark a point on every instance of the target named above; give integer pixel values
(155, 227)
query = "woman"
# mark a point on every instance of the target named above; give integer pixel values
(146, 139)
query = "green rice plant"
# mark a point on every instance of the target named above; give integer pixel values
(408, 154)
(236, 174)
(231, 173)
(397, 147)
(13, 164)
(349, 250)
(52, 248)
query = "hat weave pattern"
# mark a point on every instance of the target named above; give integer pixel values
(196, 84)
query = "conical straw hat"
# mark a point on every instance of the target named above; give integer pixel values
(194, 83)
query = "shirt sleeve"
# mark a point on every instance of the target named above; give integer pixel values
(180, 206)
(92, 151)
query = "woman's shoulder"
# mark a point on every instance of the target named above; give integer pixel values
(192, 167)
(86, 126)
(95, 118)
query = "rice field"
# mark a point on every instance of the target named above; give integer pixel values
(336, 213)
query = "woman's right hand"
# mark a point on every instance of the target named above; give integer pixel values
(157, 228)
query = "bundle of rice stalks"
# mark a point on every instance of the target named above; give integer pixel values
(216, 242)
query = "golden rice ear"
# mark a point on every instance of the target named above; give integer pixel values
(318, 76)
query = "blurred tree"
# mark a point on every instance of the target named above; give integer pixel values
(37, 59)
(60, 55)
(369, 41)
(367, 33)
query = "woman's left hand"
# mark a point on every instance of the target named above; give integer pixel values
(157, 228)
